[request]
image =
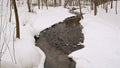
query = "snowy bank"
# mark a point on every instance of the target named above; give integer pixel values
(102, 40)
(23, 50)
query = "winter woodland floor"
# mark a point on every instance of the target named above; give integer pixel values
(102, 38)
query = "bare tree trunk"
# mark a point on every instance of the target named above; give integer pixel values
(111, 4)
(29, 5)
(10, 10)
(91, 4)
(17, 20)
(106, 8)
(65, 3)
(76, 2)
(42, 3)
(116, 7)
(52, 3)
(83, 2)
(95, 7)
(46, 4)
(60, 2)
(80, 9)
(38, 4)
(73, 4)
(55, 3)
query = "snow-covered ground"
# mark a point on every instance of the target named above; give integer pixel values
(26, 54)
(102, 41)
(102, 36)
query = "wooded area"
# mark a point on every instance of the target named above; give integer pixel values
(10, 21)
(55, 3)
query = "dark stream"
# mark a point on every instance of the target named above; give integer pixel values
(61, 39)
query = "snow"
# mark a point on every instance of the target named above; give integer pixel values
(45, 18)
(5, 64)
(27, 55)
(102, 40)
(23, 51)
(102, 36)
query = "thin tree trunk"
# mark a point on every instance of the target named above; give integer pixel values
(111, 4)
(95, 7)
(17, 20)
(42, 3)
(91, 4)
(55, 3)
(116, 7)
(65, 3)
(29, 5)
(10, 11)
(73, 4)
(80, 9)
(46, 4)
(60, 2)
(106, 7)
(38, 4)
(52, 2)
